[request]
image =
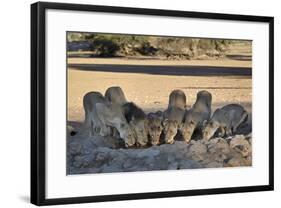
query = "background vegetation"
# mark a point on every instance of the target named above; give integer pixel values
(111, 45)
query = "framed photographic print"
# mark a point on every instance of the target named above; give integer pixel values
(134, 103)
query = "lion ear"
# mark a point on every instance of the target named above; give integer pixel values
(165, 122)
(159, 114)
(180, 125)
(183, 119)
(177, 124)
(146, 123)
(132, 121)
(204, 123)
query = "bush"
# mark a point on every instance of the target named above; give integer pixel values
(108, 45)
(104, 46)
(79, 37)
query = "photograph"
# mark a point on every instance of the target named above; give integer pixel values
(175, 103)
(157, 103)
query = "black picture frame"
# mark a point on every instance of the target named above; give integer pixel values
(38, 102)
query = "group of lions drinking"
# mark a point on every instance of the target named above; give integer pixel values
(113, 115)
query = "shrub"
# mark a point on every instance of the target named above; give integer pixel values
(130, 45)
(104, 46)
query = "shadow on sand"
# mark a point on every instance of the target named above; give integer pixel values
(166, 70)
(216, 88)
(239, 57)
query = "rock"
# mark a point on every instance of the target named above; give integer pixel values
(241, 145)
(103, 155)
(173, 166)
(148, 153)
(249, 160)
(77, 164)
(198, 157)
(171, 158)
(218, 145)
(214, 165)
(119, 161)
(78, 158)
(128, 164)
(75, 148)
(236, 162)
(197, 148)
(189, 164)
(180, 145)
(70, 130)
(111, 168)
(85, 151)
(138, 168)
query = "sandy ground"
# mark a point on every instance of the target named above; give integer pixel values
(151, 91)
(148, 82)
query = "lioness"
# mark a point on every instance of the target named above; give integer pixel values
(172, 122)
(115, 95)
(138, 122)
(177, 99)
(173, 116)
(92, 123)
(194, 118)
(111, 115)
(154, 127)
(227, 119)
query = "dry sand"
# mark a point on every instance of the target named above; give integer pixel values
(150, 90)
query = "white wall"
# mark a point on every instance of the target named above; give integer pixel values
(14, 110)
